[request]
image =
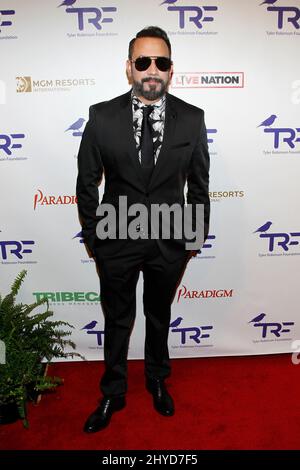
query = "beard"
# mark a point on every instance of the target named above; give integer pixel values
(153, 93)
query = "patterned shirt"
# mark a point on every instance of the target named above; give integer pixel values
(157, 119)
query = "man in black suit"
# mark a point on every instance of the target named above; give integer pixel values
(148, 144)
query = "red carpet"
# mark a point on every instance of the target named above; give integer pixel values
(221, 403)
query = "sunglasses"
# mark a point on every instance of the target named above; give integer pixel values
(143, 63)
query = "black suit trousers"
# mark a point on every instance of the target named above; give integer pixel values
(119, 275)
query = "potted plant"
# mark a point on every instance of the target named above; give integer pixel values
(27, 339)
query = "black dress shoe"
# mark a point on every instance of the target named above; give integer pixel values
(102, 415)
(162, 400)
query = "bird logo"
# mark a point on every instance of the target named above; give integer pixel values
(67, 3)
(264, 227)
(79, 235)
(168, 2)
(90, 325)
(176, 322)
(258, 318)
(269, 121)
(268, 2)
(75, 127)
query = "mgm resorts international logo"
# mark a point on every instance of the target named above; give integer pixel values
(208, 80)
(28, 84)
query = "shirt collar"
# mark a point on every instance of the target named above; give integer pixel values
(140, 104)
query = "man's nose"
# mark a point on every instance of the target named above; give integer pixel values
(152, 68)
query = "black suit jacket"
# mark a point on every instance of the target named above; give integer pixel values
(108, 147)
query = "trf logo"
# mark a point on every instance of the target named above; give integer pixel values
(99, 334)
(7, 143)
(191, 334)
(285, 15)
(3, 15)
(210, 135)
(15, 248)
(94, 16)
(270, 328)
(281, 135)
(282, 240)
(194, 14)
(75, 127)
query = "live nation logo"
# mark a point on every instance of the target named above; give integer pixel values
(269, 330)
(89, 18)
(189, 336)
(208, 80)
(277, 242)
(285, 16)
(27, 84)
(192, 17)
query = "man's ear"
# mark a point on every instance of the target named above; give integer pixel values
(129, 71)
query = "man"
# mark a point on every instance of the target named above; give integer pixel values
(148, 144)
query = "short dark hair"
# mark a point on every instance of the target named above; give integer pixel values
(150, 32)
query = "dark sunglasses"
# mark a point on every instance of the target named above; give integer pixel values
(143, 63)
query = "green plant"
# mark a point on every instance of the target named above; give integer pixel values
(29, 338)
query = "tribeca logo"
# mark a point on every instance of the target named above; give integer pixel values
(69, 297)
(208, 80)
(285, 15)
(89, 15)
(99, 334)
(191, 334)
(9, 142)
(270, 328)
(75, 128)
(281, 240)
(40, 199)
(15, 249)
(184, 293)
(287, 137)
(3, 18)
(192, 13)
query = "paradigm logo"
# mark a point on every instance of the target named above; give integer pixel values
(28, 84)
(219, 196)
(40, 199)
(192, 16)
(2, 92)
(10, 145)
(76, 128)
(208, 80)
(16, 251)
(286, 17)
(279, 243)
(184, 293)
(6, 23)
(270, 331)
(284, 139)
(191, 336)
(98, 335)
(89, 20)
(68, 298)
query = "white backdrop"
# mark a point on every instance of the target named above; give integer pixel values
(236, 59)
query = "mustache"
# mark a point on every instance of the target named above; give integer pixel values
(155, 79)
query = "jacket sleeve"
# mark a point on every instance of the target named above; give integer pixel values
(198, 176)
(90, 171)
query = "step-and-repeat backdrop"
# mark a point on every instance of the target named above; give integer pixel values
(236, 59)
